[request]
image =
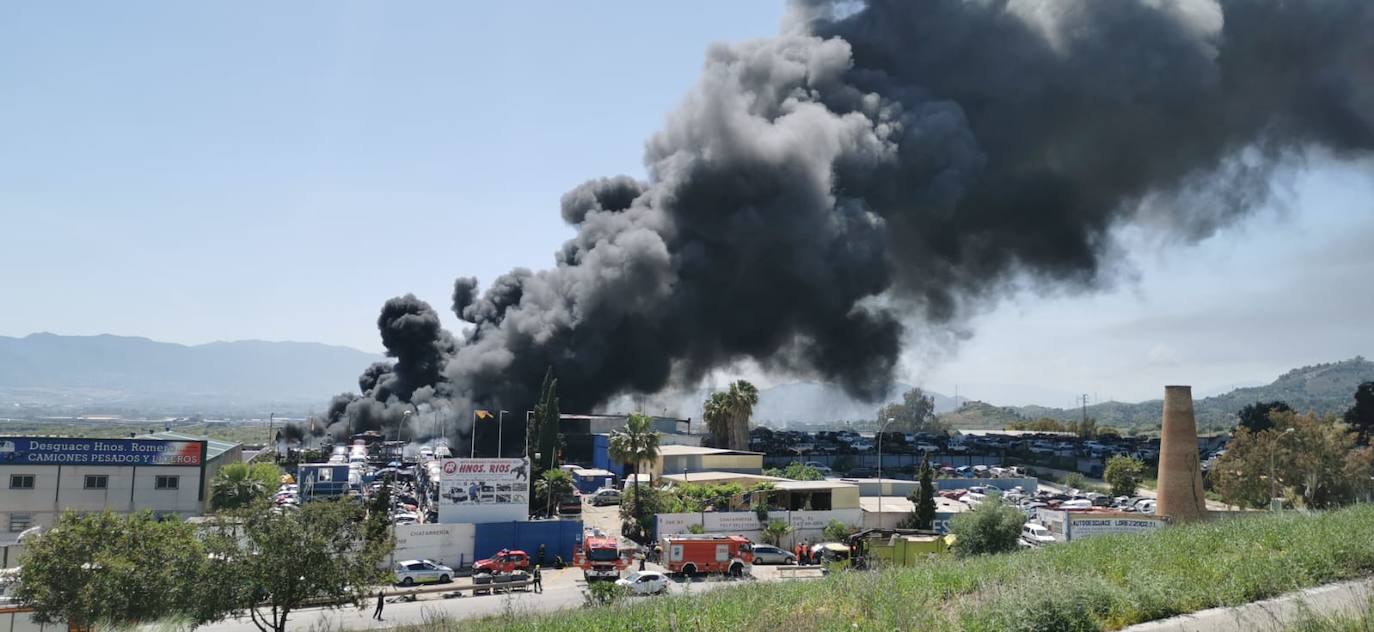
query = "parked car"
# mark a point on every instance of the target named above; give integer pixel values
(862, 472)
(606, 496)
(505, 561)
(769, 554)
(645, 582)
(816, 465)
(411, 572)
(1036, 534)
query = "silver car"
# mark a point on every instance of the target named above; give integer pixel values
(769, 554)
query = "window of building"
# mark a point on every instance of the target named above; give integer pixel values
(168, 482)
(21, 481)
(97, 481)
(20, 522)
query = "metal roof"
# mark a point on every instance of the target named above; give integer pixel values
(213, 447)
(683, 450)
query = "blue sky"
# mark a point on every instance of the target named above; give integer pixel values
(194, 172)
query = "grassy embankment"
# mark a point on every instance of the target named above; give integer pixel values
(1362, 622)
(1100, 584)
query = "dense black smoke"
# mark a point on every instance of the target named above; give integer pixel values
(891, 164)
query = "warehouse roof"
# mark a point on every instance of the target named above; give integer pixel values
(213, 447)
(717, 477)
(686, 450)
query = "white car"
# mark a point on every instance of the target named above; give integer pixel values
(1036, 534)
(645, 582)
(411, 572)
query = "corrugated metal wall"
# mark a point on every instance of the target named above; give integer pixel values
(557, 536)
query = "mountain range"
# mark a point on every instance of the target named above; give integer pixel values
(1322, 388)
(46, 372)
(128, 372)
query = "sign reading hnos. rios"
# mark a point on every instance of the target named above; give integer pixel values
(57, 451)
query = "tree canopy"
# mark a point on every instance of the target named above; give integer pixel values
(269, 563)
(991, 527)
(727, 415)
(1255, 417)
(796, 471)
(923, 500)
(915, 413)
(635, 444)
(113, 569)
(542, 441)
(238, 485)
(1123, 473)
(1360, 417)
(1317, 464)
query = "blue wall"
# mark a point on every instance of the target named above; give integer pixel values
(557, 536)
(601, 456)
(589, 484)
(308, 473)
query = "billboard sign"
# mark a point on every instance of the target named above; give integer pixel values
(1076, 525)
(57, 451)
(484, 490)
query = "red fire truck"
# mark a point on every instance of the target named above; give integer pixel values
(690, 554)
(598, 555)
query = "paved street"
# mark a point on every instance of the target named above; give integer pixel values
(562, 590)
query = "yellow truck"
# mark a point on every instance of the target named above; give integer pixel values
(897, 547)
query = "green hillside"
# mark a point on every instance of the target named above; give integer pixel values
(980, 416)
(1324, 388)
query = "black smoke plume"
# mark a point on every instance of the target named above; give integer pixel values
(886, 165)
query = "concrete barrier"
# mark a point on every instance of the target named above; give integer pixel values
(1277, 614)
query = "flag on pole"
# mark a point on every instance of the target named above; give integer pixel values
(483, 414)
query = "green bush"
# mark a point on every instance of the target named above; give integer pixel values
(991, 527)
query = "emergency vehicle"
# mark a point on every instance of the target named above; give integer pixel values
(690, 554)
(598, 555)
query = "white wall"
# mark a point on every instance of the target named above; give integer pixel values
(806, 525)
(449, 544)
(129, 489)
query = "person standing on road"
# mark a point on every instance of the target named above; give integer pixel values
(377, 614)
(538, 580)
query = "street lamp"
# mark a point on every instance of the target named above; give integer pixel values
(500, 426)
(881, 428)
(1273, 483)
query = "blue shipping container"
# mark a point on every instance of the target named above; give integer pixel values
(558, 537)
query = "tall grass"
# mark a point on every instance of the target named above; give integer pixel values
(1099, 584)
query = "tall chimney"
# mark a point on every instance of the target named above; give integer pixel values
(1180, 474)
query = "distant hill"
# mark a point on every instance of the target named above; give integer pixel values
(1324, 388)
(48, 369)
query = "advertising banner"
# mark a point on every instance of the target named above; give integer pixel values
(1089, 525)
(1075, 525)
(484, 490)
(57, 451)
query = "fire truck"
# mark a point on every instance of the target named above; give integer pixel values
(690, 554)
(598, 555)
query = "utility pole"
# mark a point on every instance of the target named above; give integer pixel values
(1085, 410)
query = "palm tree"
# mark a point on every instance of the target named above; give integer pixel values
(236, 486)
(743, 398)
(634, 445)
(716, 412)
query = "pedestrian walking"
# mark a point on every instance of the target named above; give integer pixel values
(377, 614)
(538, 579)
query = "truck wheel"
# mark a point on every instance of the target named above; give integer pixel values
(689, 570)
(736, 570)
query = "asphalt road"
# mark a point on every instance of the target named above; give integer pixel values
(562, 590)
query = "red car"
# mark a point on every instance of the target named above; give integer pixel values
(505, 561)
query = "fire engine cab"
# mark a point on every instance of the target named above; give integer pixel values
(690, 554)
(598, 555)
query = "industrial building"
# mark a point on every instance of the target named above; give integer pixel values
(41, 477)
(676, 459)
